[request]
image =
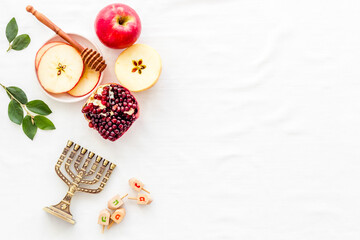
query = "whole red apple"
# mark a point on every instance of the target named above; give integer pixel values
(118, 26)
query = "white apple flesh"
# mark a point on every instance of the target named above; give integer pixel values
(138, 67)
(42, 50)
(60, 68)
(87, 83)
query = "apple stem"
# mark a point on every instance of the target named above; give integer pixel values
(22, 105)
(123, 20)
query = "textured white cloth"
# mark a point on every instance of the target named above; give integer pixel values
(252, 132)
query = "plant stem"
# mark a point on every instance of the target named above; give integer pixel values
(9, 48)
(22, 105)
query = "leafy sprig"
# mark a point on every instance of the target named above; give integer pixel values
(31, 122)
(16, 42)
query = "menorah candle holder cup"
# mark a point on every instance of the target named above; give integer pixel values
(78, 181)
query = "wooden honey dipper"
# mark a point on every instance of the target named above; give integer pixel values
(90, 57)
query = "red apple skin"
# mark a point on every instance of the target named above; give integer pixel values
(113, 34)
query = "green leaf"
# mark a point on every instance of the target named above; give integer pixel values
(39, 107)
(11, 30)
(21, 42)
(15, 112)
(43, 123)
(28, 127)
(18, 94)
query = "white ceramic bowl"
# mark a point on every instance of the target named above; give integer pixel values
(65, 97)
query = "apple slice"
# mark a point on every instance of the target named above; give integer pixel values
(42, 50)
(60, 68)
(87, 83)
(138, 67)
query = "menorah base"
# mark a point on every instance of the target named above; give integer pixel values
(60, 214)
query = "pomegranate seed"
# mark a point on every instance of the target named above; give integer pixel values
(112, 121)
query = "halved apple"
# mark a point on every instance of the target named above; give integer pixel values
(42, 50)
(60, 68)
(87, 83)
(138, 67)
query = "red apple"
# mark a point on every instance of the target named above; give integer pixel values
(138, 67)
(60, 68)
(117, 26)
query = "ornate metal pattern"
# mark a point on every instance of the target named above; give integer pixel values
(62, 209)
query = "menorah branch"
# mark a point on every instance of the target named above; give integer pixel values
(61, 160)
(94, 166)
(67, 181)
(102, 184)
(79, 159)
(70, 159)
(96, 178)
(68, 170)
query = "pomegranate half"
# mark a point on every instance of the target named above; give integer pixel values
(111, 110)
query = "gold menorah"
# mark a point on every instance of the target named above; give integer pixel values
(62, 209)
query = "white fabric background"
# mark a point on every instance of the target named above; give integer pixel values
(252, 132)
